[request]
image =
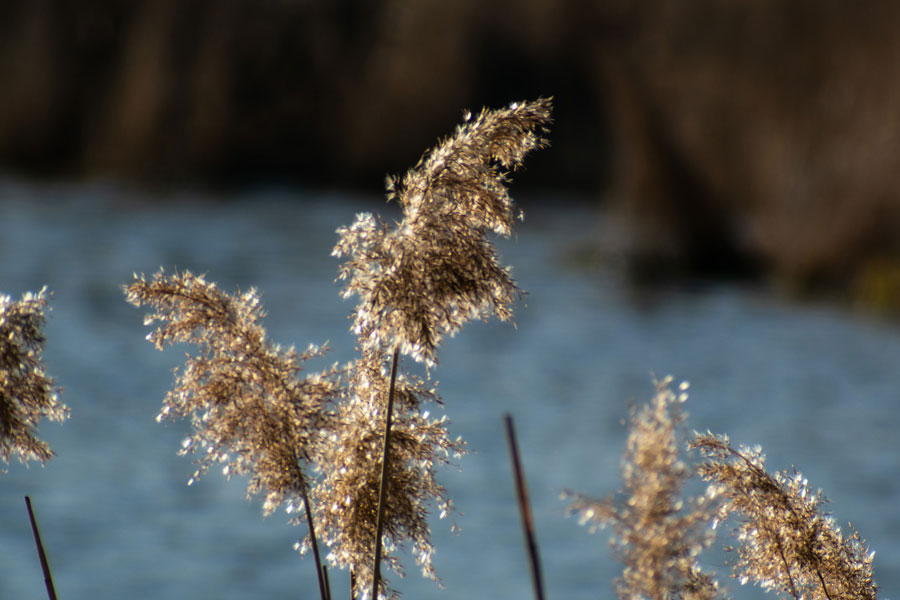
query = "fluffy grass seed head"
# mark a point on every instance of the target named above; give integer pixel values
(658, 535)
(346, 499)
(435, 270)
(787, 544)
(27, 393)
(251, 413)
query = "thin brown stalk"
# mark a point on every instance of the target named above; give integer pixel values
(383, 486)
(45, 566)
(525, 509)
(327, 584)
(320, 569)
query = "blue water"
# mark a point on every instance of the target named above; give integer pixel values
(816, 386)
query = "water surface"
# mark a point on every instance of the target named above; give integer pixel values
(815, 386)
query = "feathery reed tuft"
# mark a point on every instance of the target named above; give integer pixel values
(347, 497)
(436, 269)
(27, 393)
(787, 544)
(249, 409)
(657, 535)
(417, 282)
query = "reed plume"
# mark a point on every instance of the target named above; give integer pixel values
(249, 409)
(27, 393)
(347, 497)
(658, 535)
(787, 544)
(416, 282)
(436, 269)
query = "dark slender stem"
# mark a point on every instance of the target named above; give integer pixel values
(383, 486)
(525, 509)
(327, 583)
(320, 569)
(352, 584)
(45, 566)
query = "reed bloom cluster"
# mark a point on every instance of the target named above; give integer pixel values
(658, 535)
(250, 410)
(347, 496)
(27, 393)
(355, 439)
(436, 269)
(416, 282)
(787, 544)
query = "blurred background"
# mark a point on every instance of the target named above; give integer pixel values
(719, 202)
(739, 138)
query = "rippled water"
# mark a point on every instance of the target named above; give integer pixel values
(817, 387)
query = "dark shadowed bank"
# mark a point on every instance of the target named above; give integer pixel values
(739, 138)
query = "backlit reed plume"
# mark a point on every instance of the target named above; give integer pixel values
(249, 409)
(347, 497)
(27, 393)
(436, 269)
(417, 281)
(657, 534)
(787, 544)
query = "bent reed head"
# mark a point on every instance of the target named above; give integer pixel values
(436, 269)
(250, 410)
(416, 282)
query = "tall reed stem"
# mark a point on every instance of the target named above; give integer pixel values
(383, 486)
(320, 569)
(45, 566)
(525, 509)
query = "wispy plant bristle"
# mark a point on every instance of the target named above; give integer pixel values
(251, 412)
(346, 499)
(787, 544)
(27, 393)
(436, 270)
(658, 535)
(416, 282)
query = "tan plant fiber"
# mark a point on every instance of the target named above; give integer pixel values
(416, 282)
(436, 269)
(27, 393)
(346, 498)
(325, 434)
(250, 410)
(658, 535)
(787, 544)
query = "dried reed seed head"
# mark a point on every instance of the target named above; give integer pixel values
(346, 499)
(658, 535)
(27, 393)
(787, 544)
(460, 179)
(249, 409)
(435, 270)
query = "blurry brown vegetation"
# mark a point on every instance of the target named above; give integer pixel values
(312, 91)
(738, 137)
(762, 130)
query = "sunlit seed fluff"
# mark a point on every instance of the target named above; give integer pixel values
(436, 270)
(787, 544)
(346, 498)
(657, 534)
(248, 407)
(27, 394)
